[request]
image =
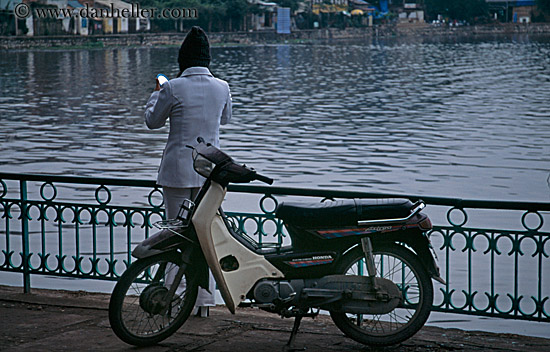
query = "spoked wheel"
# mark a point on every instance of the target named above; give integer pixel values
(402, 267)
(139, 311)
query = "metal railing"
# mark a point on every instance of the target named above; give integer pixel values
(493, 254)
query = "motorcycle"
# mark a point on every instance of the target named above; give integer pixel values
(367, 262)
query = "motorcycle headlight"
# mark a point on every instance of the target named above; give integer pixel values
(202, 165)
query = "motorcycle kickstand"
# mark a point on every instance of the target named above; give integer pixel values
(290, 347)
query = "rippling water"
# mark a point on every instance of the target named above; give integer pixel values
(462, 119)
(467, 118)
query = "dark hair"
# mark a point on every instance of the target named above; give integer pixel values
(195, 50)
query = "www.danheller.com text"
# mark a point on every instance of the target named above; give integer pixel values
(134, 11)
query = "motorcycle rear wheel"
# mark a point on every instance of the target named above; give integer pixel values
(401, 266)
(136, 307)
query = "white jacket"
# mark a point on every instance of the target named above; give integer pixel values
(197, 103)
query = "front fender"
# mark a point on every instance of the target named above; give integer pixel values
(164, 241)
(167, 241)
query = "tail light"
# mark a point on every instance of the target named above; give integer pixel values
(426, 224)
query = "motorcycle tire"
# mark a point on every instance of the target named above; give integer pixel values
(136, 307)
(401, 266)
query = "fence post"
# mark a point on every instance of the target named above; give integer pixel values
(25, 234)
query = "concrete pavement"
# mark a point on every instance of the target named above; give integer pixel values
(50, 320)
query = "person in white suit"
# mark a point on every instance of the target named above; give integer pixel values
(197, 104)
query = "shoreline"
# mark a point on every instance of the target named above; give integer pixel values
(400, 30)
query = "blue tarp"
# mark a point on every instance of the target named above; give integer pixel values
(283, 20)
(383, 6)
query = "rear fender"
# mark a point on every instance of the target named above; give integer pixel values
(417, 240)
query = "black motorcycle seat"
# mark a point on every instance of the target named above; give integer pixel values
(345, 212)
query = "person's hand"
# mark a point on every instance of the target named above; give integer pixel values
(158, 85)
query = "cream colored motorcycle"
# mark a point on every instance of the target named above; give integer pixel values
(367, 262)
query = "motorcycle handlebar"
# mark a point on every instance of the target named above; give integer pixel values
(265, 179)
(256, 176)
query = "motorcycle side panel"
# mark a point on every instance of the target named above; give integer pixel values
(217, 243)
(202, 219)
(251, 266)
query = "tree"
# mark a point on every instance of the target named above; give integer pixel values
(214, 15)
(544, 6)
(236, 10)
(293, 4)
(467, 10)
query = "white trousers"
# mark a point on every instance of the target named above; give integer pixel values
(173, 197)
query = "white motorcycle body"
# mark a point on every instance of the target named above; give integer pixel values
(217, 243)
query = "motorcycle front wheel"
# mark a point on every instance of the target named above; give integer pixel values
(138, 309)
(402, 267)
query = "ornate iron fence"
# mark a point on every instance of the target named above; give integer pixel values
(493, 254)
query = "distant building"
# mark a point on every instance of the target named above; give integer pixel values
(361, 5)
(265, 18)
(78, 17)
(76, 24)
(47, 24)
(328, 6)
(364, 10)
(523, 10)
(8, 23)
(518, 11)
(412, 12)
(121, 24)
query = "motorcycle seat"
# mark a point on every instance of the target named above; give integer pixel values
(345, 212)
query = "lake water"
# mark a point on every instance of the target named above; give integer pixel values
(466, 118)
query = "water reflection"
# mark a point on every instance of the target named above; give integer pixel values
(464, 118)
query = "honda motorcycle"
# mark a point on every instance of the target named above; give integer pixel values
(367, 262)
